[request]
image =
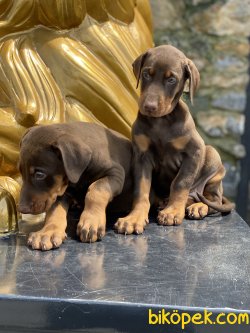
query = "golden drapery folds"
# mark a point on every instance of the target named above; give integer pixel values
(66, 60)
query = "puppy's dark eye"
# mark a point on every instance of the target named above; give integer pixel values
(39, 175)
(171, 80)
(146, 75)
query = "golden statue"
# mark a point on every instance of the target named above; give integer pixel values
(61, 61)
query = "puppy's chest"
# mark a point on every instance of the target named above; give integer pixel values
(166, 151)
(166, 154)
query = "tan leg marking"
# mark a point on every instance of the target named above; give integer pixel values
(197, 211)
(53, 233)
(174, 213)
(137, 220)
(92, 224)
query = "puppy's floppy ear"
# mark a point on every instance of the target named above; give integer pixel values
(194, 78)
(137, 66)
(75, 156)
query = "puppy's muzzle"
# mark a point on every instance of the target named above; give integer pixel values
(151, 107)
(32, 208)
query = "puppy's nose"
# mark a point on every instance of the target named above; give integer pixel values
(23, 209)
(151, 107)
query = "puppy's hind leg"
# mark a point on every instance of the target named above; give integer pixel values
(92, 224)
(213, 196)
(213, 191)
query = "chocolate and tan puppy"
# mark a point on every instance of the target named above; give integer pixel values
(81, 161)
(169, 152)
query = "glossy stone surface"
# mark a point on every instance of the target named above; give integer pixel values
(110, 285)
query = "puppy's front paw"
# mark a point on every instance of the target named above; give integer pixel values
(170, 216)
(197, 211)
(91, 228)
(130, 224)
(46, 239)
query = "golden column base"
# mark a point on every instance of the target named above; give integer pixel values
(9, 193)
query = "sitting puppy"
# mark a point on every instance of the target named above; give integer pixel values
(78, 160)
(169, 152)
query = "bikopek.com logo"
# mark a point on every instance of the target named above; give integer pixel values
(163, 317)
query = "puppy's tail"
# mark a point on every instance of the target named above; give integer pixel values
(226, 206)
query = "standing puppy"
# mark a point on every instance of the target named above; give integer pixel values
(169, 152)
(79, 161)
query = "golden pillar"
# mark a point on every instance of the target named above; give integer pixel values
(61, 61)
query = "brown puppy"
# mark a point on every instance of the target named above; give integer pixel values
(63, 161)
(169, 152)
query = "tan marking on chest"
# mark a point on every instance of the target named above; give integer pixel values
(142, 142)
(180, 142)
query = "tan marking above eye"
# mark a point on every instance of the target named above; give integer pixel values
(168, 74)
(142, 141)
(151, 71)
(32, 170)
(180, 142)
